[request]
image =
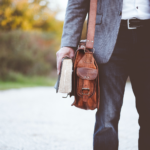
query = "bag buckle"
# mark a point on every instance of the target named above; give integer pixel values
(128, 25)
(85, 89)
(84, 48)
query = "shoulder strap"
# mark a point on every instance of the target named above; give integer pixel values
(91, 24)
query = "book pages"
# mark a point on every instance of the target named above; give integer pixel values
(65, 83)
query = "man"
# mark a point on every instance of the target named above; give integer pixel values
(122, 44)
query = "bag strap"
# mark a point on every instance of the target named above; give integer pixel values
(91, 24)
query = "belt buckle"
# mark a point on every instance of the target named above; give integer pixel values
(128, 25)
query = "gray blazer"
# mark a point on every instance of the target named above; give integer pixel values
(107, 26)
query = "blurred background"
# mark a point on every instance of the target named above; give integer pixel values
(30, 35)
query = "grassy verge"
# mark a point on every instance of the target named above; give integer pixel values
(27, 82)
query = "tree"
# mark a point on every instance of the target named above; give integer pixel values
(28, 15)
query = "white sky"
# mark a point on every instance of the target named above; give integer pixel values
(62, 4)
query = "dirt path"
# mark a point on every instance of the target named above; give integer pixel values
(38, 119)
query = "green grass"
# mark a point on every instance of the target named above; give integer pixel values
(23, 81)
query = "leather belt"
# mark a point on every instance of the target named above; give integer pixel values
(135, 23)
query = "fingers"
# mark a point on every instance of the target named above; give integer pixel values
(63, 52)
(71, 53)
(71, 56)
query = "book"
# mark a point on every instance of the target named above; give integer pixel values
(64, 82)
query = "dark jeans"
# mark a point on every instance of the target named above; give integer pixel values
(131, 57)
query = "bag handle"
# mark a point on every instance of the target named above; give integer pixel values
(91, 25)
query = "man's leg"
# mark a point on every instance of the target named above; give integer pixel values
(140, 79)
(113, 76)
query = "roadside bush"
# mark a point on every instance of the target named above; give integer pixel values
(28, 53)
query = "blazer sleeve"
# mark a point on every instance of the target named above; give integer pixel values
(75, 15)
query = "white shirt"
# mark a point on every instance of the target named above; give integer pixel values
(136, 8)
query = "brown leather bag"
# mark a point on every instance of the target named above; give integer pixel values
(86, 74)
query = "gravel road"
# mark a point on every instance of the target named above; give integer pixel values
(39, 119)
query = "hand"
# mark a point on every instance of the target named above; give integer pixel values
(63, 52)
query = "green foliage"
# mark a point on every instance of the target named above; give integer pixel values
(26, 53)
(30, 35)
(18, 81)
